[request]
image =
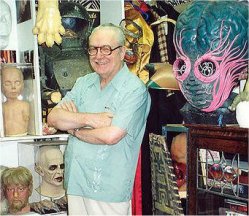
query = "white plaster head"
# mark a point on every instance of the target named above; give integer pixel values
(5, 23)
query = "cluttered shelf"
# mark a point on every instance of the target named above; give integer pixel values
(217, 169)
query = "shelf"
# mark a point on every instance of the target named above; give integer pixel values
(231, 142)
(43, 137)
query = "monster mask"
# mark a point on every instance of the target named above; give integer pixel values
(211, 41)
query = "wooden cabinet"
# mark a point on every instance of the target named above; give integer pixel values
(231, 142)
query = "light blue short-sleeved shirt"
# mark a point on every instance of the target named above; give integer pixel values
(106, 172)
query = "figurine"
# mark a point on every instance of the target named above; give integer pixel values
(17, 185)
(15, 111)
(212, 52)
(50, 166)
(5, 23)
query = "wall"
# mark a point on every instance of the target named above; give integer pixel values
(111, 11)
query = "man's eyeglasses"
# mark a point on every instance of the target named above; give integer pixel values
(105, 50)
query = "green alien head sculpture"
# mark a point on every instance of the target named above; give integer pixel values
(211, 41)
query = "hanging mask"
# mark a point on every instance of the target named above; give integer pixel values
(133, 32)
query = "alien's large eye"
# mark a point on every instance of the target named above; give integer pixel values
(207, 68)
(181, 68)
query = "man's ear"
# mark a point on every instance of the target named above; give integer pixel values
(39, 170)
(123, 51)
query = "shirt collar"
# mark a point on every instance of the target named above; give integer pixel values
(120, 77)
(117, 80)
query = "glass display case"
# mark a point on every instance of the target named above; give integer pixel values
(30, 152)
(22, 50)
(45, 161)
(18, 100)
(217, 172)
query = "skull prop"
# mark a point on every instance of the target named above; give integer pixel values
(211, 41)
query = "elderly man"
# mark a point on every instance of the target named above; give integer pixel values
(105, 113)
(17, 183)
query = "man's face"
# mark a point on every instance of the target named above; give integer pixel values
(53, 167)
(17, 197)
(106, 65)
(12, 82)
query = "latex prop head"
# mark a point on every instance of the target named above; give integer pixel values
(5, 23)
(18, 185)
(211, 40)
(50, 165)
(12, 82)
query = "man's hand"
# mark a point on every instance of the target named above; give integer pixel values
(69, 106)
(48, 25)
(99, 120)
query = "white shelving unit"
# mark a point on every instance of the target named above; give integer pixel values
(22, 40)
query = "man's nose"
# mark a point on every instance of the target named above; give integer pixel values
(16, 194)
(99, 53)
